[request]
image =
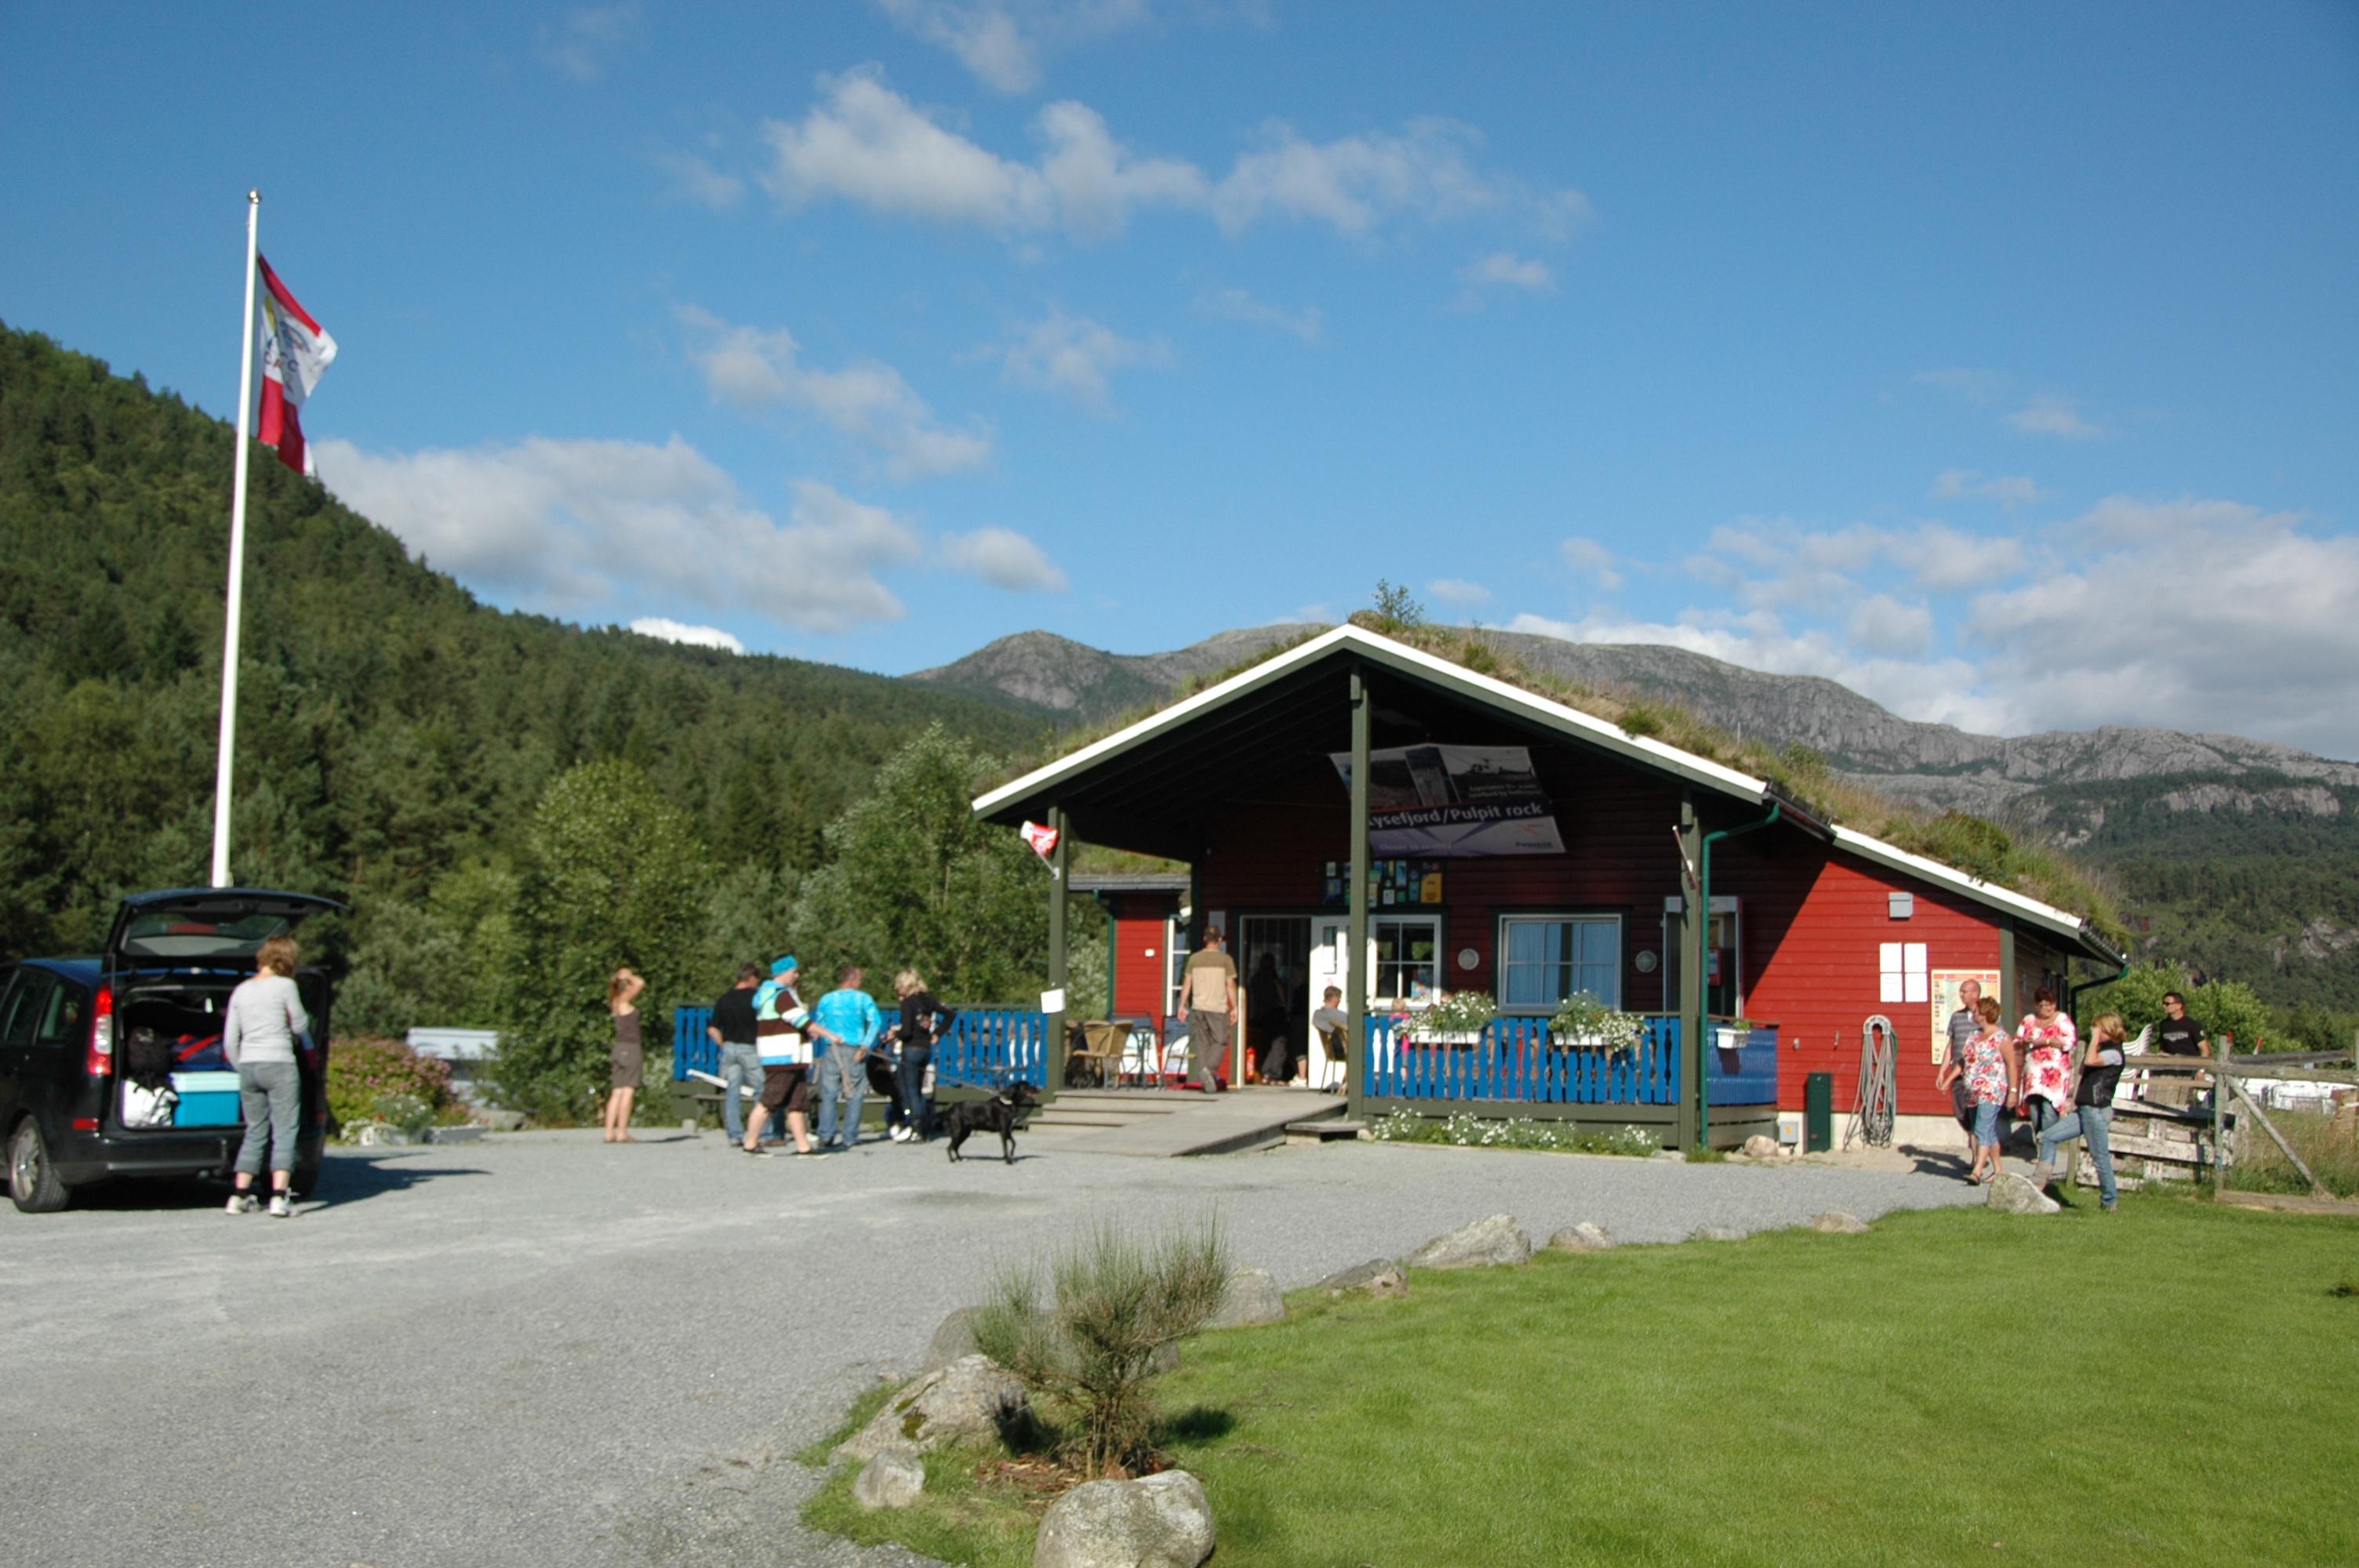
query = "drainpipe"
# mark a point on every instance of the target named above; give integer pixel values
(1703, 983)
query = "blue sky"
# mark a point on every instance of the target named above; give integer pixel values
(1996, 361)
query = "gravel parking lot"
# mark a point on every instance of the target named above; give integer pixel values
(542, 1349)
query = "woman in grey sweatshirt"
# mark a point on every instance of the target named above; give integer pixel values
(259, 1033)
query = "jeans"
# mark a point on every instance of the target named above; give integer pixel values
(839, 1074)
(916, 1110)
(741, 1064)
(2041, 1115)
(1986, 1113)
(270, 1095)
(2094, 1125)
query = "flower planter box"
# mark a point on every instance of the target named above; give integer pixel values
(1726, 1037)
(1446, 1040)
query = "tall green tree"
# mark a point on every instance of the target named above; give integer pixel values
(914, 879)
(614, 874)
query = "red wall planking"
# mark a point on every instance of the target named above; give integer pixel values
(1139, 957)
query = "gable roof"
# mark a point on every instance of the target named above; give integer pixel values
(1292, 694)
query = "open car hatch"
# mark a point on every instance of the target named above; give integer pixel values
(204, 926)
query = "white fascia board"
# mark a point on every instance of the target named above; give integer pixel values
(1611, 737)
(2062, 922)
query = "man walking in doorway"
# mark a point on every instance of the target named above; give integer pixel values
(847, 1019)
(1208, 996)
(1964, 1024)
(732, 1029)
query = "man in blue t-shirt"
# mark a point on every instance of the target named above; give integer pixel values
(847, 1019)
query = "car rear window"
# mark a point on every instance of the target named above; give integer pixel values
(169, 933)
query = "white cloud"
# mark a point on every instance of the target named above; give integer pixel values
(1505, 269)
(1075, 356)
(1592, 562)
(1940, 559)
(680, 631)
(1236, 304)
(1882, 625)
(1981, 386)
(2011, 491)
(1003, 558)
(868, 400)
(566, 527)
(1774, 563)
(583, 44)
(2193, 615)
(863, 142)
(1458, 591)
(694, 179)
(1002, 42)
(2050, 415)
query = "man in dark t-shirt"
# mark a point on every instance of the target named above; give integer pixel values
(2177, 1036)
(732, 1030)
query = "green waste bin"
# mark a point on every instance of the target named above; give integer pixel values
(1818, 1112)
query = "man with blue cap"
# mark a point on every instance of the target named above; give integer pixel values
(783, 1032)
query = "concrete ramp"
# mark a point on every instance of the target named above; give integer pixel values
(1165, 1124)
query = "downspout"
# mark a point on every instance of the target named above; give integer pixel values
(2073, 992)
(1703, 981)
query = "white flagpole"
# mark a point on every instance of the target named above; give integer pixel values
(236, 561)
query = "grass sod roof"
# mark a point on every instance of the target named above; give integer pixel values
(1950, 847)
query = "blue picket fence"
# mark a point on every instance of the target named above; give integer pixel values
(985, 1048)
(991, 1047)
(1513, 1059)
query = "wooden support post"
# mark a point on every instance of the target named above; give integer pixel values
(1695, 971)
(1356, 978)
(1060, 861)
(2010, 996)
(2219, 1119)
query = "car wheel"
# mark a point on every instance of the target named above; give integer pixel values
(33, 1181)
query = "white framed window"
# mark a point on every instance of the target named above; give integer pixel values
(1408, 955)
(1901, 973)
(1544, 959)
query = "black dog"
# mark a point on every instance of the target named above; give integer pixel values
(1003, 1113)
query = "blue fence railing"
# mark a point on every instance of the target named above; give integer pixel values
(990, 1047)
(1744, 1075)
(984, 1048)
(1514, 1059)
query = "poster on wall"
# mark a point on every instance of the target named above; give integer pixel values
(1946, 984)
(1460, 801)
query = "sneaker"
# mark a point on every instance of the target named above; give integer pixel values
(281, 1207)
(900, 1135)
(242, 1203)
(756, 1153)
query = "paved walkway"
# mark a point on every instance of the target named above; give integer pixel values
(542, 1349)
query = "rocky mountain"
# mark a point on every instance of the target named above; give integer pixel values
(2238, 856)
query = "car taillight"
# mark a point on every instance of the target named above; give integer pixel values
(99, 1062)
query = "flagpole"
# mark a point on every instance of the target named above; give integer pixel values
(236, 561)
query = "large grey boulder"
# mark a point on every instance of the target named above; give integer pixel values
(1377, 1277)
(972, 1397)
(1586, 1236)
(1253, 1298)
(1760, 1146)
(952, 1339)
(892, 1480)
(1835, 1222)
(498, 1120)
(1158, 1521)
(1715, 1233)
(1495, 1240)
(2011, 1193)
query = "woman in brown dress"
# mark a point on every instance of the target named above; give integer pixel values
(630, 1054)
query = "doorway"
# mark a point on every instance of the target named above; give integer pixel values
(1276, 1004)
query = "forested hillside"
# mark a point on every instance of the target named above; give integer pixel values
(395, 735)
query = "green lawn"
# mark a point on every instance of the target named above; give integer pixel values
(2174, 1383)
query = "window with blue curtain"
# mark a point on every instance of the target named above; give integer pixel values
(1544, 959)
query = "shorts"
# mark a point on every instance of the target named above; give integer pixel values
(786, 1086)
(1986, 1123)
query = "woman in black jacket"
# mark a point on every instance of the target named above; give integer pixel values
(923, 1020)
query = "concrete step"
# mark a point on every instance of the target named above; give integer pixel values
(1324, 1130)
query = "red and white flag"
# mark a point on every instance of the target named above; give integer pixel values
(1042, 840)
(294, 350)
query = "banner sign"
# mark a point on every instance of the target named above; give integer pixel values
(1042, 840)
(1455, 801)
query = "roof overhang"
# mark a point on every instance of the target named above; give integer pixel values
(1123, 779)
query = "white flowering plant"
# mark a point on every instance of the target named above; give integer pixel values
(1467, 1131)
(1584, 1023)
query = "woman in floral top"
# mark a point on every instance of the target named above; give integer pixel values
(1989, 1069)
(2046, 1047)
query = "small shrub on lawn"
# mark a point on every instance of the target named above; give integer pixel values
(1467, 1131)
(366, 1074)
(1089, 1349)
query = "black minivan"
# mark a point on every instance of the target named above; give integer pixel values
(70, 1115)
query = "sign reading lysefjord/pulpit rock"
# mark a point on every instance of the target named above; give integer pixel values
(1455, 800)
